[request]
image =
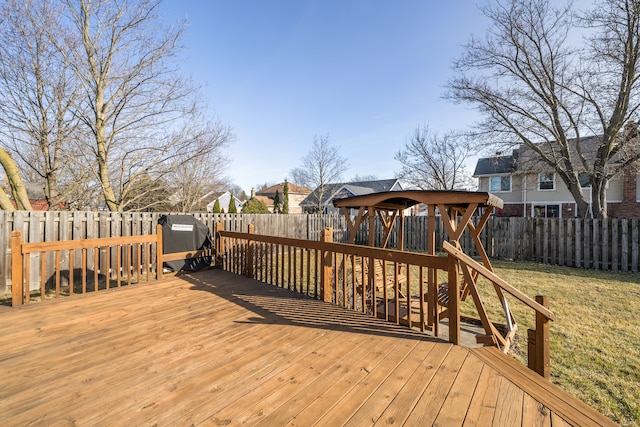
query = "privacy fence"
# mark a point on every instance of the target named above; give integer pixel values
(610, 244)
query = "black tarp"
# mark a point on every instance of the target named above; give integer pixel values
(182, 233)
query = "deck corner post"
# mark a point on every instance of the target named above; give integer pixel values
(327, 291)
(251, 229)
(159, 251)
(17, 285)
(543, 332)
(454, 300)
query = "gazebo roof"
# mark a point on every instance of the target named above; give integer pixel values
(405, 199)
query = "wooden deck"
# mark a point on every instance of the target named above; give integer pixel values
(214, 348)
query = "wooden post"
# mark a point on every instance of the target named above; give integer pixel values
(432, 290)
(327, 290)
(371, 211)
(219, 244)
(543, 350)
(251, 229)
(531, 349)
(159, 250)
(454, 301)
(17, 287)
(401, 231)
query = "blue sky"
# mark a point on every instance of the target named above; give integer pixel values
(364, 72)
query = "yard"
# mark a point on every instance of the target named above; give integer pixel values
(595, 339)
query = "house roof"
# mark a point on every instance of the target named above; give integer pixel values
(496, 165)
(349, 189)
(293, 189)
(264, 199)
(217, 196)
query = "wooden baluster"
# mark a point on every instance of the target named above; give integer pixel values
(17, 287)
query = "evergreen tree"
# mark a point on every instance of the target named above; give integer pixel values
(285, 197)
(232, 205)
(276, 203)
(216, 206)
(255, 206)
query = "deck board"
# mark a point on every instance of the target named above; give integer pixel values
(213, 348)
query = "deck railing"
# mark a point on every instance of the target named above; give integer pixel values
(361, 278)
(400, 287)
(69, 267)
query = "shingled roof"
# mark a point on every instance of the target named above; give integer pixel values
(348, 189)
(496, 165)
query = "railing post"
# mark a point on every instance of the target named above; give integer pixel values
(219, 244)
(159, 250)
(17, 287)
(327, 290)
(251, 229)
(454, 300)
(543, 349)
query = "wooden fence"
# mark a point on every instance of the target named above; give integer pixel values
(611, 244)
(38, 226)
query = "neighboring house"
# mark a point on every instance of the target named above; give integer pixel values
(224, 199)
(296, 195)
(531, 189)
(346, 189)
(35, 192)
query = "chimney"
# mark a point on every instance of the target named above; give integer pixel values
(253, 193)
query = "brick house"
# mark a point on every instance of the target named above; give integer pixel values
(531, 189)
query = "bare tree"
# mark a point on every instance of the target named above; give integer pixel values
(321, 166)
(361, 178)
(433, 162)
(537, 89)
(39, 93)
(201, 174)
(18, 189)
(139, 110)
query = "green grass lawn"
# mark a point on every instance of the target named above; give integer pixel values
(595, 339)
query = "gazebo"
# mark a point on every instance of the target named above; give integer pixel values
(460, 211)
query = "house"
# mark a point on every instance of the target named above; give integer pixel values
(224, 199)
(330, 192)
(35, 192)
(530, 188)
(297, 194)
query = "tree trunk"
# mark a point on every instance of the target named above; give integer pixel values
(599, 199)
(18, 189)
(5, 201)
(103, 153)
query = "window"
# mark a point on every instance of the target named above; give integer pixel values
(547, 181)
(583, 179)
(499, 184)
(546, 211)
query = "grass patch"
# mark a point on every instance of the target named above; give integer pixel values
(595, 339)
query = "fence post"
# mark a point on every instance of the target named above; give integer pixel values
(543, 350)
(159, 251)
(251, 229)
(17, 287)
(327, 291)
(454, 300)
